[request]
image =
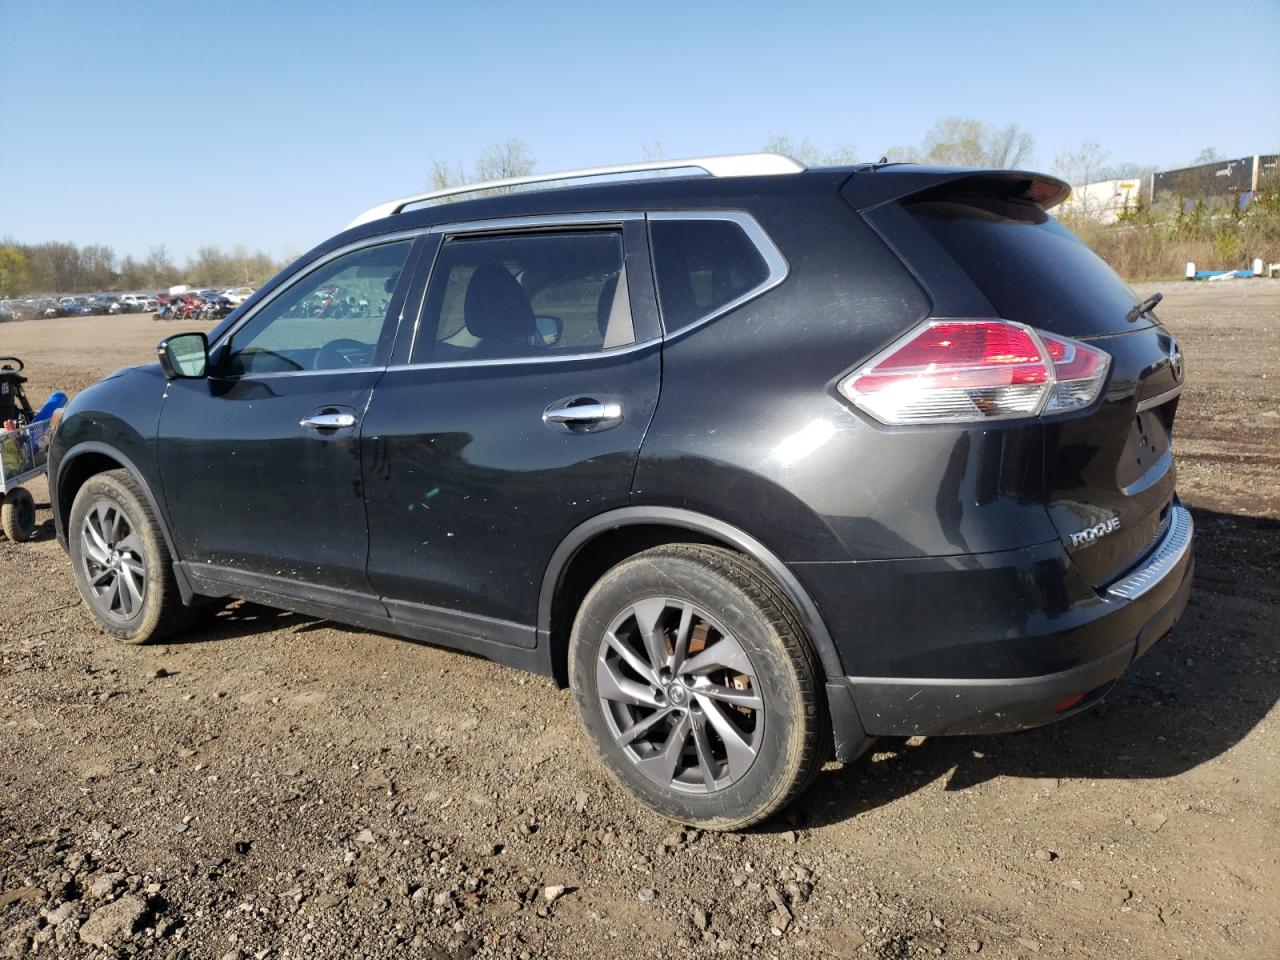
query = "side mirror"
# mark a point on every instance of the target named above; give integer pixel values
(184, 356)
(550, 330)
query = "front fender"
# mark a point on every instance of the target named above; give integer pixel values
(115, 419)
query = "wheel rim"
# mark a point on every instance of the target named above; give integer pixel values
(679, 695)
(113, 563)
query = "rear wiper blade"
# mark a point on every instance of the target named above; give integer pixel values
(1144, 306)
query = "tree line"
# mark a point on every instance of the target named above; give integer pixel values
(55, 267)
(46, 268)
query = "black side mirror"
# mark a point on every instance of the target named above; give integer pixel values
(184, 356)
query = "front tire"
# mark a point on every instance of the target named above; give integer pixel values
(697, 687)
(121, 562)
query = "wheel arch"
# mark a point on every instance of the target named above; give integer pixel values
(86, 460)
(616, 534)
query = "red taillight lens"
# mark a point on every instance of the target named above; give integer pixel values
(1078, 373)
(948, 371)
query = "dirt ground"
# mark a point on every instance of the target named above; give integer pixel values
(276, 786)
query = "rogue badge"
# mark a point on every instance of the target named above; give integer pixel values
(1096, 532)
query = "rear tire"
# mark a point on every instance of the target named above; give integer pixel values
(121, 562)
(18, 515)
(697, 687)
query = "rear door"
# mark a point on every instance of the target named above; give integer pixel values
(1108, 471)
(515, 414)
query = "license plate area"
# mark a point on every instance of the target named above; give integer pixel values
(1148, 443)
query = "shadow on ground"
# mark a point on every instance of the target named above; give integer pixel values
(1196, 694)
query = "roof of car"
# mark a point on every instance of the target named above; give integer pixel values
(648, 193)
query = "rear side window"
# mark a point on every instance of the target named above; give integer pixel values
(702, 266)
(1030, 267)
(526, 296)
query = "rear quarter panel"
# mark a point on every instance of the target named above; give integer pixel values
(749, 427)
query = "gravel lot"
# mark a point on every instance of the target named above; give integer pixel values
(276, 786)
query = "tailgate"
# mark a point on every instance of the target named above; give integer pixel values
(1109, 473)
(1108, 470)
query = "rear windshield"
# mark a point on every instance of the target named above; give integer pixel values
(1031, 268)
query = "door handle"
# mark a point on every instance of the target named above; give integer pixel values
(328, 421)
(583, 413)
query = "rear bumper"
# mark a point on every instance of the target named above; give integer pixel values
(1127, 619)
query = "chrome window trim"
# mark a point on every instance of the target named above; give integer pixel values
(516, 225)
(1172, 549)
(310, 268)
(513, 361)
(775, 262)
(536, 222)
(1155, 401)
(274, 374)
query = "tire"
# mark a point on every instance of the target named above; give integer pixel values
(18, 515)
(745, 728)
(153, 609)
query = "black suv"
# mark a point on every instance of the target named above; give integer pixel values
(762, 464)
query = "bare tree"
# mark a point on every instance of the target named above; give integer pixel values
(1008, 146)
(1081, 166)
(445, 175)
(498, 161)
(810, 155)
(903, 154)
(502, 161)
(160, 270)
(955, 142)
(966, 142)
(652, 150)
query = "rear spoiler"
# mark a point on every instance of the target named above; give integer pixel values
(877, 185)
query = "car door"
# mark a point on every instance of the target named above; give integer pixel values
(260, 461)
(516, 413)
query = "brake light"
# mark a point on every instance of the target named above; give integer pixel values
(951, 371)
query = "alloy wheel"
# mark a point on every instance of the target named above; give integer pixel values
(112, 557)
(680, 695)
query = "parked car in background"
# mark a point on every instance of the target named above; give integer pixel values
(101, 304)
(237, 295)
(74, 307)
(29, 309)
(762, 465)
(150, 305)
(131, 303)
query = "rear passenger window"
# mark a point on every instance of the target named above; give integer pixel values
(702, 265)
(525, 296)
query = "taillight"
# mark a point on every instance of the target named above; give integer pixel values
(949, 371)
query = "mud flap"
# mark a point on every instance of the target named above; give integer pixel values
(850, 738)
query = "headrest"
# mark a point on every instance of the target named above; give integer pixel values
(496, 307)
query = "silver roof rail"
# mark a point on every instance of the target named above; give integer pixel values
(727, 165)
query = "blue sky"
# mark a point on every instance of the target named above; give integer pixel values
(271, 124)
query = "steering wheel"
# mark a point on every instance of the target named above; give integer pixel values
(342, 353)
